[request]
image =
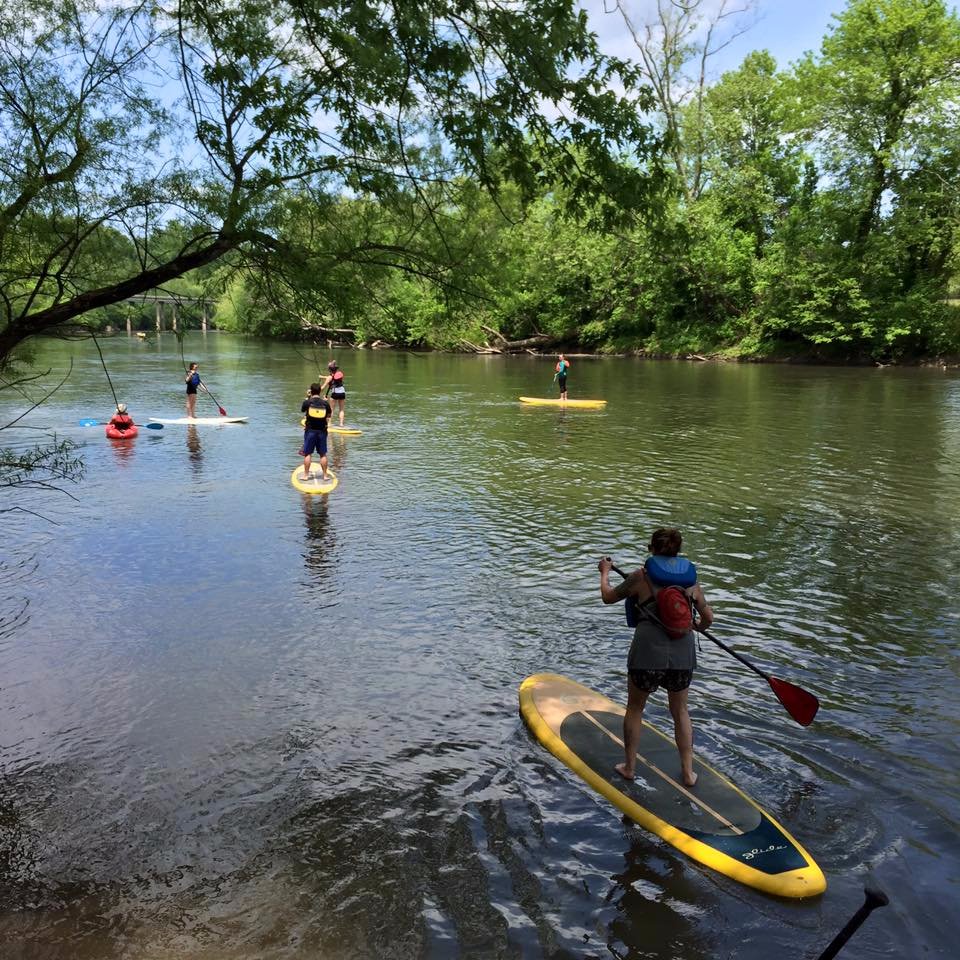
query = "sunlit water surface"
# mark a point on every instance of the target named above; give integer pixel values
(240, 722)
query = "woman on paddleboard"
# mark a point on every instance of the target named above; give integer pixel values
(664, 593)
(192, 380)
(333, 384)
(563, 365)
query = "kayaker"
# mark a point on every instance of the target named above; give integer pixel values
(318, 413)
(333, 384)
(663, 653)
(563, 365)
(121, 420)
(192, 380)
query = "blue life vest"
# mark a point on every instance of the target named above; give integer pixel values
(670, 571)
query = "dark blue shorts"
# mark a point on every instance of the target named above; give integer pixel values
(315, 441)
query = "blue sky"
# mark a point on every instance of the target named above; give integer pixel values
(787, 28)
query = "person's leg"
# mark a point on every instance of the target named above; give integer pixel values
(191, 404)
(342, 403)
(632, 725)
(322, 450)
(683, 734)
(308, 448)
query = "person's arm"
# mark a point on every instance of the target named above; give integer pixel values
(703, 608)
(622, 590)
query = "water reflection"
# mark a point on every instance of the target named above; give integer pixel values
(194, 449)
(123, 450)
(210, 772)
(656, 898)
(321, 544)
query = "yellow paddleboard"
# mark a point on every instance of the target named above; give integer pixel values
(556, 402)
(346, 431)
(712, 822)
(315, 483)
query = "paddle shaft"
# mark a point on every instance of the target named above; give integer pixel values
(799, 703)
(105, 423)
(223, 412)
(874, 897)
(719, 643)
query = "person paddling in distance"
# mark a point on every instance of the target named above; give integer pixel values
(193, 382)
(333, 384)
(661, 596)
(121, 420)
(318, 413)
(563, 365)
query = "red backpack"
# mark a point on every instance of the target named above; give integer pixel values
(674, 611)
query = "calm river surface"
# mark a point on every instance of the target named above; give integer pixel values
(237, 722)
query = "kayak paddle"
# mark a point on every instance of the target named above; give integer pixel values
(800, 704)
(223, 412)
(103, 423)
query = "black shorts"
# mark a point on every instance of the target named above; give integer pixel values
(562, 382)
(671, 680)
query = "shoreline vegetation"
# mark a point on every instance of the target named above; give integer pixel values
(810, 358)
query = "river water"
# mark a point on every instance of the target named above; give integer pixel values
(240, 722)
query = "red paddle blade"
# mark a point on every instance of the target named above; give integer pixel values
(223, 412)
(800, 704)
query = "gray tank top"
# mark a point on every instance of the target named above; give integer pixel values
(653, 649)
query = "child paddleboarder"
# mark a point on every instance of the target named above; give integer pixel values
(317, 412)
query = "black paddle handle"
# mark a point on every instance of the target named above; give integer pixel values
(874, 897)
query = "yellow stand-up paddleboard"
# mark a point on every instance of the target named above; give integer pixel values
(557, 402)
(315, 484)
(712, 822)
(346, 431)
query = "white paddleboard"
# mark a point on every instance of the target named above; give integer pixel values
(198, 420)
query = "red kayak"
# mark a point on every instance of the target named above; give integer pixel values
(114, 434)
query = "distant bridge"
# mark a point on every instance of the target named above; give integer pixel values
(173, 302)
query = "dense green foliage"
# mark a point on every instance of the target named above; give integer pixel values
(254, 124)
(809, 212)
(457, 174)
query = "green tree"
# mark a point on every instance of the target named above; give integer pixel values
(117, 116)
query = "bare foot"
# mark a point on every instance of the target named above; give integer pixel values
(690, 781)
(624, 771)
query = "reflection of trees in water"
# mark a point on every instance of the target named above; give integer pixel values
(194, 450)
